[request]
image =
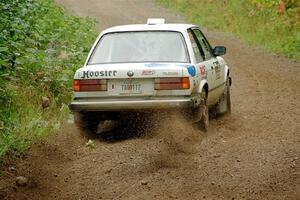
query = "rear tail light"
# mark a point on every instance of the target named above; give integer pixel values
(89, 85)
(172, 83)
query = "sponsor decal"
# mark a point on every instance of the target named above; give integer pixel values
(92, 74)
(148, 72)
(202, 70)
(192, 70)
(170, 73)
(217, 69)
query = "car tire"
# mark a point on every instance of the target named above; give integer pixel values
(87, 122)
(224, 105)
(204, 120)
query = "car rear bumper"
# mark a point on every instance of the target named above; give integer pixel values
(129, 104)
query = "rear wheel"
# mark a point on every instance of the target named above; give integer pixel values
(204, 120)
(87, 122)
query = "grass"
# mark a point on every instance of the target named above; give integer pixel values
(41, 46)
(272, 24)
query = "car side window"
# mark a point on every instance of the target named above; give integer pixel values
(198, 52)
(204, 44)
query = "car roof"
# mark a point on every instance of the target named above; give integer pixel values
(150, 27)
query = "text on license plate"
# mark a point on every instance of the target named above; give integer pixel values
(131, 87)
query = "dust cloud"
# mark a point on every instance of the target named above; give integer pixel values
(177, 137)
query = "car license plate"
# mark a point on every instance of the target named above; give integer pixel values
(131, 86)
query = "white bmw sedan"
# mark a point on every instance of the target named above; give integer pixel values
(148, 67)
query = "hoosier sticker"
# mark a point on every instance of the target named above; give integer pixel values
(91, 74)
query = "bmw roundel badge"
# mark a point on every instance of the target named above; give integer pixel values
(130, 73)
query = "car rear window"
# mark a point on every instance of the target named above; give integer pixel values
(143, 46)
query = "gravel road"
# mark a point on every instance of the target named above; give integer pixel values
(252, 154)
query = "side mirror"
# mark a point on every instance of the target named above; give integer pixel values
(219, 50)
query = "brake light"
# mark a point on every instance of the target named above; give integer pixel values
(76, 85)
(172, 83)
(90, 85)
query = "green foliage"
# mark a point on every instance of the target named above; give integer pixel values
(40, 47)
(273, 24)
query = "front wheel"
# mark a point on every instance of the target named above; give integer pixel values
(224, 105)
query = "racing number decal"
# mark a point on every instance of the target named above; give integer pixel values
(217, 67)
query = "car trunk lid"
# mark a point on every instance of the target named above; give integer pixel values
(130, 79)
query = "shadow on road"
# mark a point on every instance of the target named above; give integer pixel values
(113, 131)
